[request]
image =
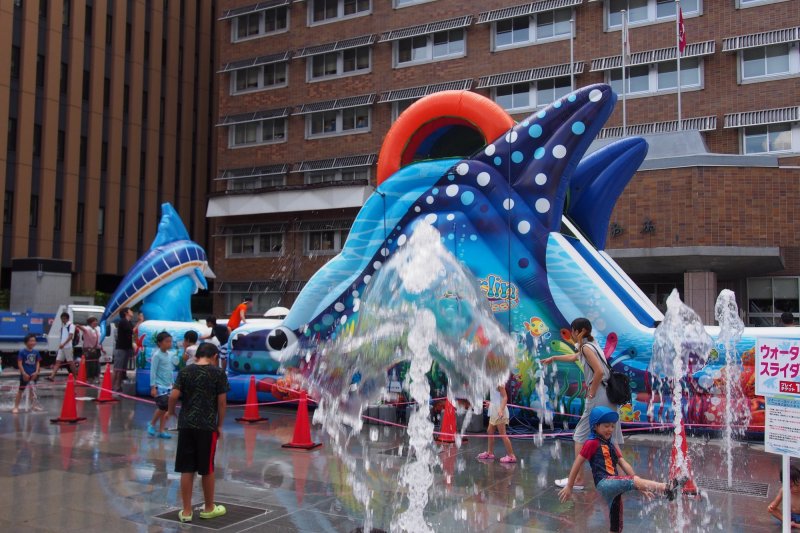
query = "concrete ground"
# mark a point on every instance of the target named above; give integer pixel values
(107, 474)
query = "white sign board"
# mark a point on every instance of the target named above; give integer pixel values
(782, 431)
(777, 367)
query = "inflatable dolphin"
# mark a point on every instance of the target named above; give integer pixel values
(165, 277)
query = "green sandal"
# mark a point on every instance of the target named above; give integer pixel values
(183, 518)
(218, 510)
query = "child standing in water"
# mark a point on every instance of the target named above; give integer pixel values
(604, 457)
(498, 420)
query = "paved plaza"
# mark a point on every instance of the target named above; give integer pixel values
(107, 474)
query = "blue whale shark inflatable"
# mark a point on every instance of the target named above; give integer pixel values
(528, 216)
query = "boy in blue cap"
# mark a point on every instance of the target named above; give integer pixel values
(604, 457)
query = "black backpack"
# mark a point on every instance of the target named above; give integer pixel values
(618, 385)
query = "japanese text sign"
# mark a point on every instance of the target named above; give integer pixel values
(777, 367)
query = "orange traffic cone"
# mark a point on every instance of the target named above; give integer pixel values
(675, 470)
(69, 409)
(302, 428)
(251, 415)
(105, 391)
(82, 371)
(447, 432)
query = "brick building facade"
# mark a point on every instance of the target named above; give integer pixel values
(308, 90)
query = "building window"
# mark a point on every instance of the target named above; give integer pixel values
(259, 24)
(12, 135)
(83, 151)
(771, 138)
(8, 208)
(109, 25)
(79, 217)
(741, 4)
(330, 10)
(768, 61)
(106, 92)
(646, 11)
(101, 221)
(262, 300)
(62, 139)
(33, 221)
(57, 209)
(350, 120)
(40, 70)
(37, 140)
(15, 62)
(338, 174)
(768, 298)
(400, 106)
(432, 47)
(261, 77)
(260, 132)
(344, 63)
(520, 31)
(325, 241)
(64, 78)
(85, 85)
(521, 96)
(658, 77)
(87, 20)
(263, 245)
(406, 3)
(261, 182)
(104, 156)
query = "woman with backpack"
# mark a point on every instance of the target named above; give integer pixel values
(597, 373)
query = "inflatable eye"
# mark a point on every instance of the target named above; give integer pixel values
(281, 343)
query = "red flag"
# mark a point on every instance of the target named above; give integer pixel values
(681, 32)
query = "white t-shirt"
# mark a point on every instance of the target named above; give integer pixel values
(190, 353)
(66, 330)
(494, 403)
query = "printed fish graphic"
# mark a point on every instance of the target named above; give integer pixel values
(165, 277)
(528, 197)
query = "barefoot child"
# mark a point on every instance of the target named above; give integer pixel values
(776, 507)
(498, 419)
(161, 385)
(28, 361)
(604, 457)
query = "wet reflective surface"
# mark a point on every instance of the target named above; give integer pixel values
(107, 474)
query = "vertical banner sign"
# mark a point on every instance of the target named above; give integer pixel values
(778, 380)
(777, 367)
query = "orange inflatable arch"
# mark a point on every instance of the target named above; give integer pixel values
(428, 115)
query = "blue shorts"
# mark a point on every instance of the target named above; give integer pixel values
(613, 486)
(795, 518)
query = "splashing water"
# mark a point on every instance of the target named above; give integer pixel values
(737, 412)
(681, 347)
(422, 306)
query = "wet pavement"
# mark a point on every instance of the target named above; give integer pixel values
(107, 474)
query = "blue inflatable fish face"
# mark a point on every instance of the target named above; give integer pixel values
(496, 212)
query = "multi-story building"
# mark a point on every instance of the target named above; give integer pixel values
(308, 89)
(108, 105)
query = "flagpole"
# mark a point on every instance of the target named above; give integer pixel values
(624, 43)
(678, 55)
(572, 53)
